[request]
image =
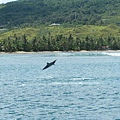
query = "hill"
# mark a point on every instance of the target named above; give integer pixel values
(54, 38)
(39, 25)
(77, 32)
(85, 12)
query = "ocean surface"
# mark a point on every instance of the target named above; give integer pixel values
(80, 86)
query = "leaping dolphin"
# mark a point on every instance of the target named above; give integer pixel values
(49, 64)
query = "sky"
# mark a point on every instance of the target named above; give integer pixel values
(5, 1)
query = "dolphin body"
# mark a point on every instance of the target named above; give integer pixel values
(49, 64)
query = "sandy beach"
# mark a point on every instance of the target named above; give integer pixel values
(45, 52)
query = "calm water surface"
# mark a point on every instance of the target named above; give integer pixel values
(80, 86)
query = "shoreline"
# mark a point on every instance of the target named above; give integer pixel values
(41, 52)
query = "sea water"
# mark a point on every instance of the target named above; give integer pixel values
(80, 86)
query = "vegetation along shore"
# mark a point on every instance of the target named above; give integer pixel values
(30, 25)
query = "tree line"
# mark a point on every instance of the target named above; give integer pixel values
(92, 12)
(58, 43)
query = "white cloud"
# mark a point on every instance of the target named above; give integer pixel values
(5, 1)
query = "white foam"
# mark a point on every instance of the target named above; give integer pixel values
(79, 78)
(111, 54)
(65, 54)
(73, 83)
(23, 85)
(46, 77)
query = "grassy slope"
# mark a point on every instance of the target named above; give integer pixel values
(78, 31)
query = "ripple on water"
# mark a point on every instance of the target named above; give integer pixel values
(80, 86)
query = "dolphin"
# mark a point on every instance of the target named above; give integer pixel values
(49, 64)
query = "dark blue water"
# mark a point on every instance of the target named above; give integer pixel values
(80, 86)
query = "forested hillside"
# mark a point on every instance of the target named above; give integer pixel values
(27, 25)
(58, 38)
(97, 12)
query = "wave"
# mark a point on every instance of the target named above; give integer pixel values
(111, 54)
(67, 78)
(47, 77)
(80, 54)
(73, 83)
(88, 53)
(68, 54)
(80, 78)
